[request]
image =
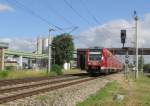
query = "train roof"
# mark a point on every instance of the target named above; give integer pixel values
(91, 48)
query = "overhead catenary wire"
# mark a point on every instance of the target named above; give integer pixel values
(107, 32)
(71, 27)
(31, 12)
(94, 18)
(77, 13)
(57, 13)
(89, 12)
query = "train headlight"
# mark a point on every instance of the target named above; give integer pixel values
(89, 63)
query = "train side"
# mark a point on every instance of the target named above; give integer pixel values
(110, 62)
(99, 60)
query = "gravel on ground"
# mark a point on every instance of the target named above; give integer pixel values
(68, 96)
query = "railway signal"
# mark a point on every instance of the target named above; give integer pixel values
(123, 40)
(123, 37)
(126, 70)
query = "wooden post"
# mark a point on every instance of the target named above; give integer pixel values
(1, 58)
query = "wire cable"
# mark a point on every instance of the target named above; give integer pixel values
(57, 13)
(75, 11)
(89, 12)
(31, 12)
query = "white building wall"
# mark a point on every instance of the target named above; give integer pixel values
(39, 45)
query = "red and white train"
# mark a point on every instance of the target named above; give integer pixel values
(98, 60)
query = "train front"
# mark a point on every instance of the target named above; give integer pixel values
(94, 57)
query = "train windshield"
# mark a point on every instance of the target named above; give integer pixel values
(95, 56)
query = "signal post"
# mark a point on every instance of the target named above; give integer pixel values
(123, 40)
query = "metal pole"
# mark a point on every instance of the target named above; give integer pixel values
(49, 50)
(54, 55)
(142, 59)
(136, 36)
(126, 65)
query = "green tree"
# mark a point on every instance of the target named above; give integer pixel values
(64, 47)
(147, 67)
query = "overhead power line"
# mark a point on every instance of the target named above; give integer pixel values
(75, 11)
(89, 12)
(107, 33)
(57, 13)
(31, 12)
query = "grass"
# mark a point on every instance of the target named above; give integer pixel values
(142, 89)
(136, 93)
(72, 71)
(103, 97)
(21, 74)
(32, 73)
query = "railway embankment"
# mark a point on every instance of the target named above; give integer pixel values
(69, 95)
(122, 93)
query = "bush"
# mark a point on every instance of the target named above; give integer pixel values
(10, 68)
(147, 67)
(56, 69)
(3, 74)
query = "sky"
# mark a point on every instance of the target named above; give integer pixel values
(98, 21)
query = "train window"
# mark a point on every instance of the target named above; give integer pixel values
(96, 57)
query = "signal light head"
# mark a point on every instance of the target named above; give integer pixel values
(123, 36)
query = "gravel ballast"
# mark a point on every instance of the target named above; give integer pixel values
(68, 96)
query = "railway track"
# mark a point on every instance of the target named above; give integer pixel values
(35, 84)
(24, 88)
(27, 88)
(8, 82)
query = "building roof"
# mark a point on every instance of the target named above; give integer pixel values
(4, 45)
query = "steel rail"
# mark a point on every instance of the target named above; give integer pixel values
(32, 85)
(42, 90)
(6, 82)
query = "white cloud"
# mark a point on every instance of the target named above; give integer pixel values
(108, 34)
(5, 7)
(20, 44)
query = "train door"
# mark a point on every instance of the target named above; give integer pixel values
(82, 61)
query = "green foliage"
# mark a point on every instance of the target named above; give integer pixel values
(10, 68)
(147, 67)
(3, 74)
(56, 69)
(64, 47)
